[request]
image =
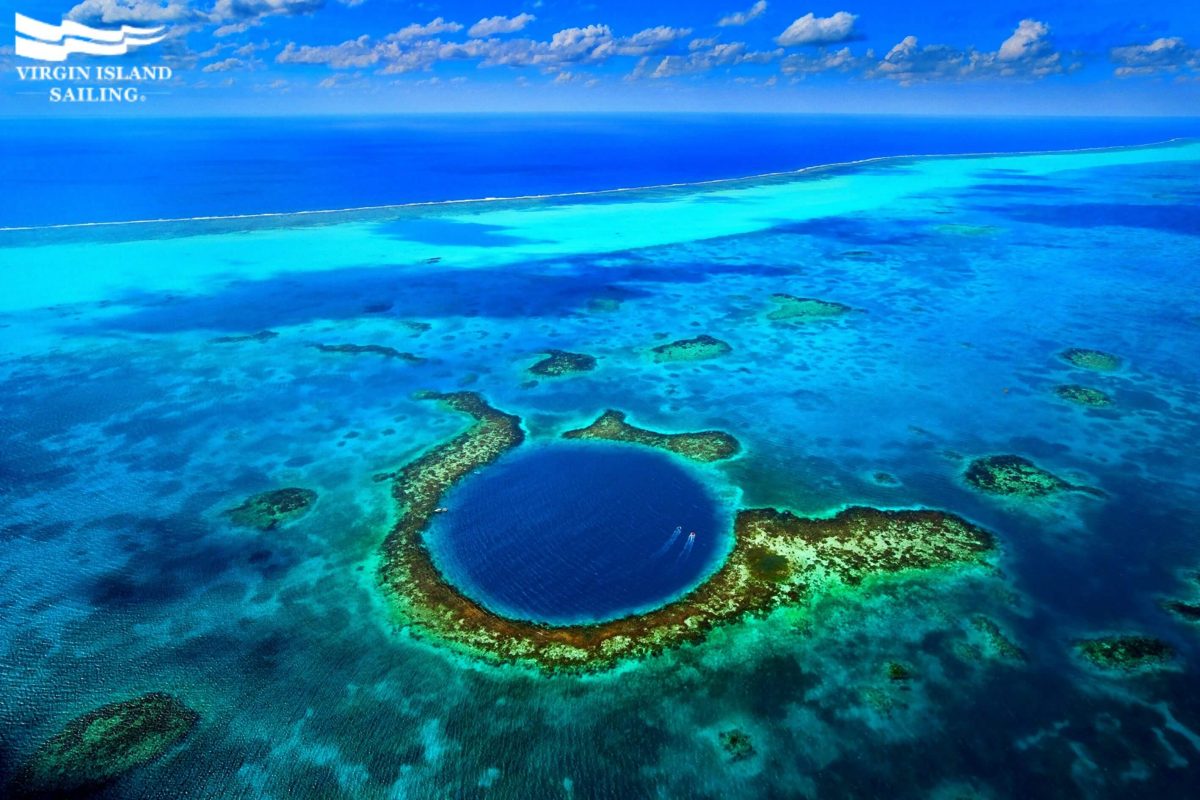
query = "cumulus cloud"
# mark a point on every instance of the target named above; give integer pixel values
(415, 48)
(493, 26)
(224, 65)
(1027, 53)
(1164, 55)
(703, 55)
(742, 17)
(435, 27)
(132, 11)
(811, 29)
(797, 65)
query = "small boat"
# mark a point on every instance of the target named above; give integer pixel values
(440, 510)
(692, 536)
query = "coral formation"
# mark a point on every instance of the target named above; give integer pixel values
(1189, 612)
(777, 558)
(1097, 360)
(696, 349)
(1128, 652)
(789, 308)
(377, 349)
(1016, 477)
(999, 643)
(269, 510)
(561, 362)
(699, 446)
(1083, 395)
(737, 744)
(103, 744)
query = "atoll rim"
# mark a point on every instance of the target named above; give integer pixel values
(699, 446)
(776, 558)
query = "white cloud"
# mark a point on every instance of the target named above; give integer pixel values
(1164, 55)
(826, 61)
(492, 26)
(132, 11)
(434, 27)
(704, 55)
(225, 65)
(1027, 40)
(811, 29)
(742, 17)
(1027, 53)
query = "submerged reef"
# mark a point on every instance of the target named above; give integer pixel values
(101, 745)
(777, 558)
(699, 446)
(1127, 652)
(377, 349)
(261, 336)
(269, 510)
(1097, 360)
(560, 362)
(789, 308)
(697, 349)
(736, 743)
(1188, 612)
(1083, 395)
(998, 642)
(1014, 476)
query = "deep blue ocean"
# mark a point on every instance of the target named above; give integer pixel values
(157, 378)
(96, 170)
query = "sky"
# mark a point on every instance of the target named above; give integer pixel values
(1005, 57)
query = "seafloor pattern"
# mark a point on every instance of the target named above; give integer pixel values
(962, 496)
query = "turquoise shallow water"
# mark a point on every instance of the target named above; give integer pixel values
(129, 431)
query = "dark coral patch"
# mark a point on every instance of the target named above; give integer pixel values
(777, 558)
(561, 362)
(737, 744)
(696, 349)
(1189, 612)
(269, 510)
(1083, 395)
(700, 446)
(1126, 653)
(789, 308)
(1097, 360)
(1014, 476)
(374, 349)
(261, 336)
(101, 745)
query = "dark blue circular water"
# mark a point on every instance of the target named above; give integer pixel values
(578, 532)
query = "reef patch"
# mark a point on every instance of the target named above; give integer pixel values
(699, 348)
(561, 362)
(269, 510)
(373, 349)
(1126, 653)
(789, 308)
(1096, 360)
(98, 747)
(777, 557)
(699, 446)
(1014, 476)
(1082, 395)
